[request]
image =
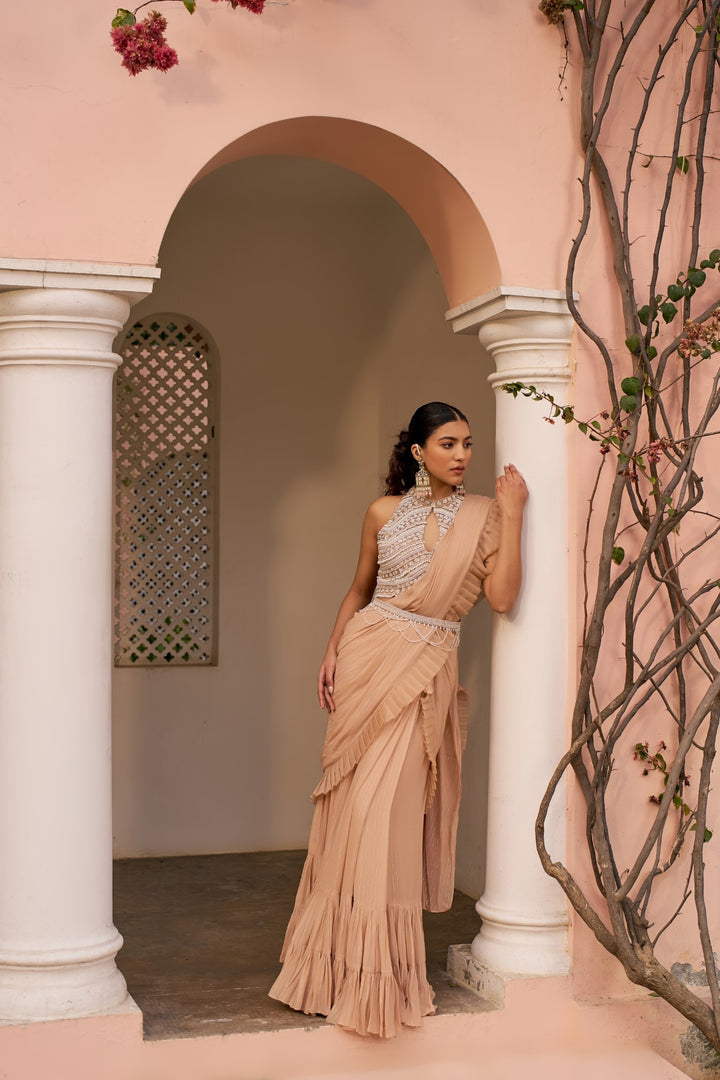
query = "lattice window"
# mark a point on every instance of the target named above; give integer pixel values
(164, 495)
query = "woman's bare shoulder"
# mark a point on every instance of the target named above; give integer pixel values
(381, 510)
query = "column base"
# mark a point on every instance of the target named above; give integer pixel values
(522, 945)
(488, 983)
(59, 992)
(464, 969)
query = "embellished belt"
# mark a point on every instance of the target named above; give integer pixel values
(412, 616)
(442, 633)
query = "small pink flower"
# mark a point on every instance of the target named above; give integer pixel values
(255, 6)
(164, 57)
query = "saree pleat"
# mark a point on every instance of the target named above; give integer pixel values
(382, 842)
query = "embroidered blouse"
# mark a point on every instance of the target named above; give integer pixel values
(402, 555)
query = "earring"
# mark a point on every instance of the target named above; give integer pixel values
(422, 482)
(460, 489)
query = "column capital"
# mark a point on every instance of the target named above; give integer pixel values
(527, 332)
(73, 320)
(505, 302)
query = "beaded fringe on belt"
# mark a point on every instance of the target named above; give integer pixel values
(444, 633)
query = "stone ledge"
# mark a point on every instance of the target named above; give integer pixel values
(131, 281)
(464, 969)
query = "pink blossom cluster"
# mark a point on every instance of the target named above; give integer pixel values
(143, 45)
(655, 449)
(699, 338)
(252, 5)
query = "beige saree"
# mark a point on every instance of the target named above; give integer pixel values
(382, 843)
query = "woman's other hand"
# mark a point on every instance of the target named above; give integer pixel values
(326, 680)
(511, 493)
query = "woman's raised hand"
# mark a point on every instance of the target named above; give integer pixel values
(326, 681)
(511, 492)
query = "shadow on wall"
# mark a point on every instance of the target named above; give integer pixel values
(328, 314)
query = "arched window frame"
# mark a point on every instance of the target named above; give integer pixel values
(166, 493)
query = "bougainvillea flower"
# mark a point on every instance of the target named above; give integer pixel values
(143, 45)
(252, 5)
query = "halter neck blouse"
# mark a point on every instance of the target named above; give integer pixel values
(402, 555)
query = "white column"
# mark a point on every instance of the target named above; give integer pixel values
(57, 939)
(523, 911)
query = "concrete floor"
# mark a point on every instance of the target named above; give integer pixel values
(203, 932)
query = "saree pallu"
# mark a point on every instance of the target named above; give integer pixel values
(382, 843)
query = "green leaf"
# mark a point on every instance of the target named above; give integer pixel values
(714, 256)
(568, 414)
(683, 163)
(633, 343)
(631, 385)
(651, 353)
(644, 314)
(675, 292)
(618, 554)
(583, 428)
(668, 311)
(123, 18)
(707, 263)
(596, 425)
(190, 5)
(695, 277)
(628, 402)
(707, 835)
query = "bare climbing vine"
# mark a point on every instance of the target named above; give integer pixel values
(650, 650)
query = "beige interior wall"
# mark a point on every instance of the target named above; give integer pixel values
(328, 314)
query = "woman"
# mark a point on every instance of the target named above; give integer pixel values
(382, 843)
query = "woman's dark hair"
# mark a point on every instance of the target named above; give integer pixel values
(402, 465)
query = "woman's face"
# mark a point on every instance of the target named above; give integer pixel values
(447, 452)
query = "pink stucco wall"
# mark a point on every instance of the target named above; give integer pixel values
(454, 109)
(122, 150)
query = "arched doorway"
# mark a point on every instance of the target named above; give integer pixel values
(76, 308)
(327, 309)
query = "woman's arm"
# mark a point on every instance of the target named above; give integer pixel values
(358, 595)
(502, 584)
